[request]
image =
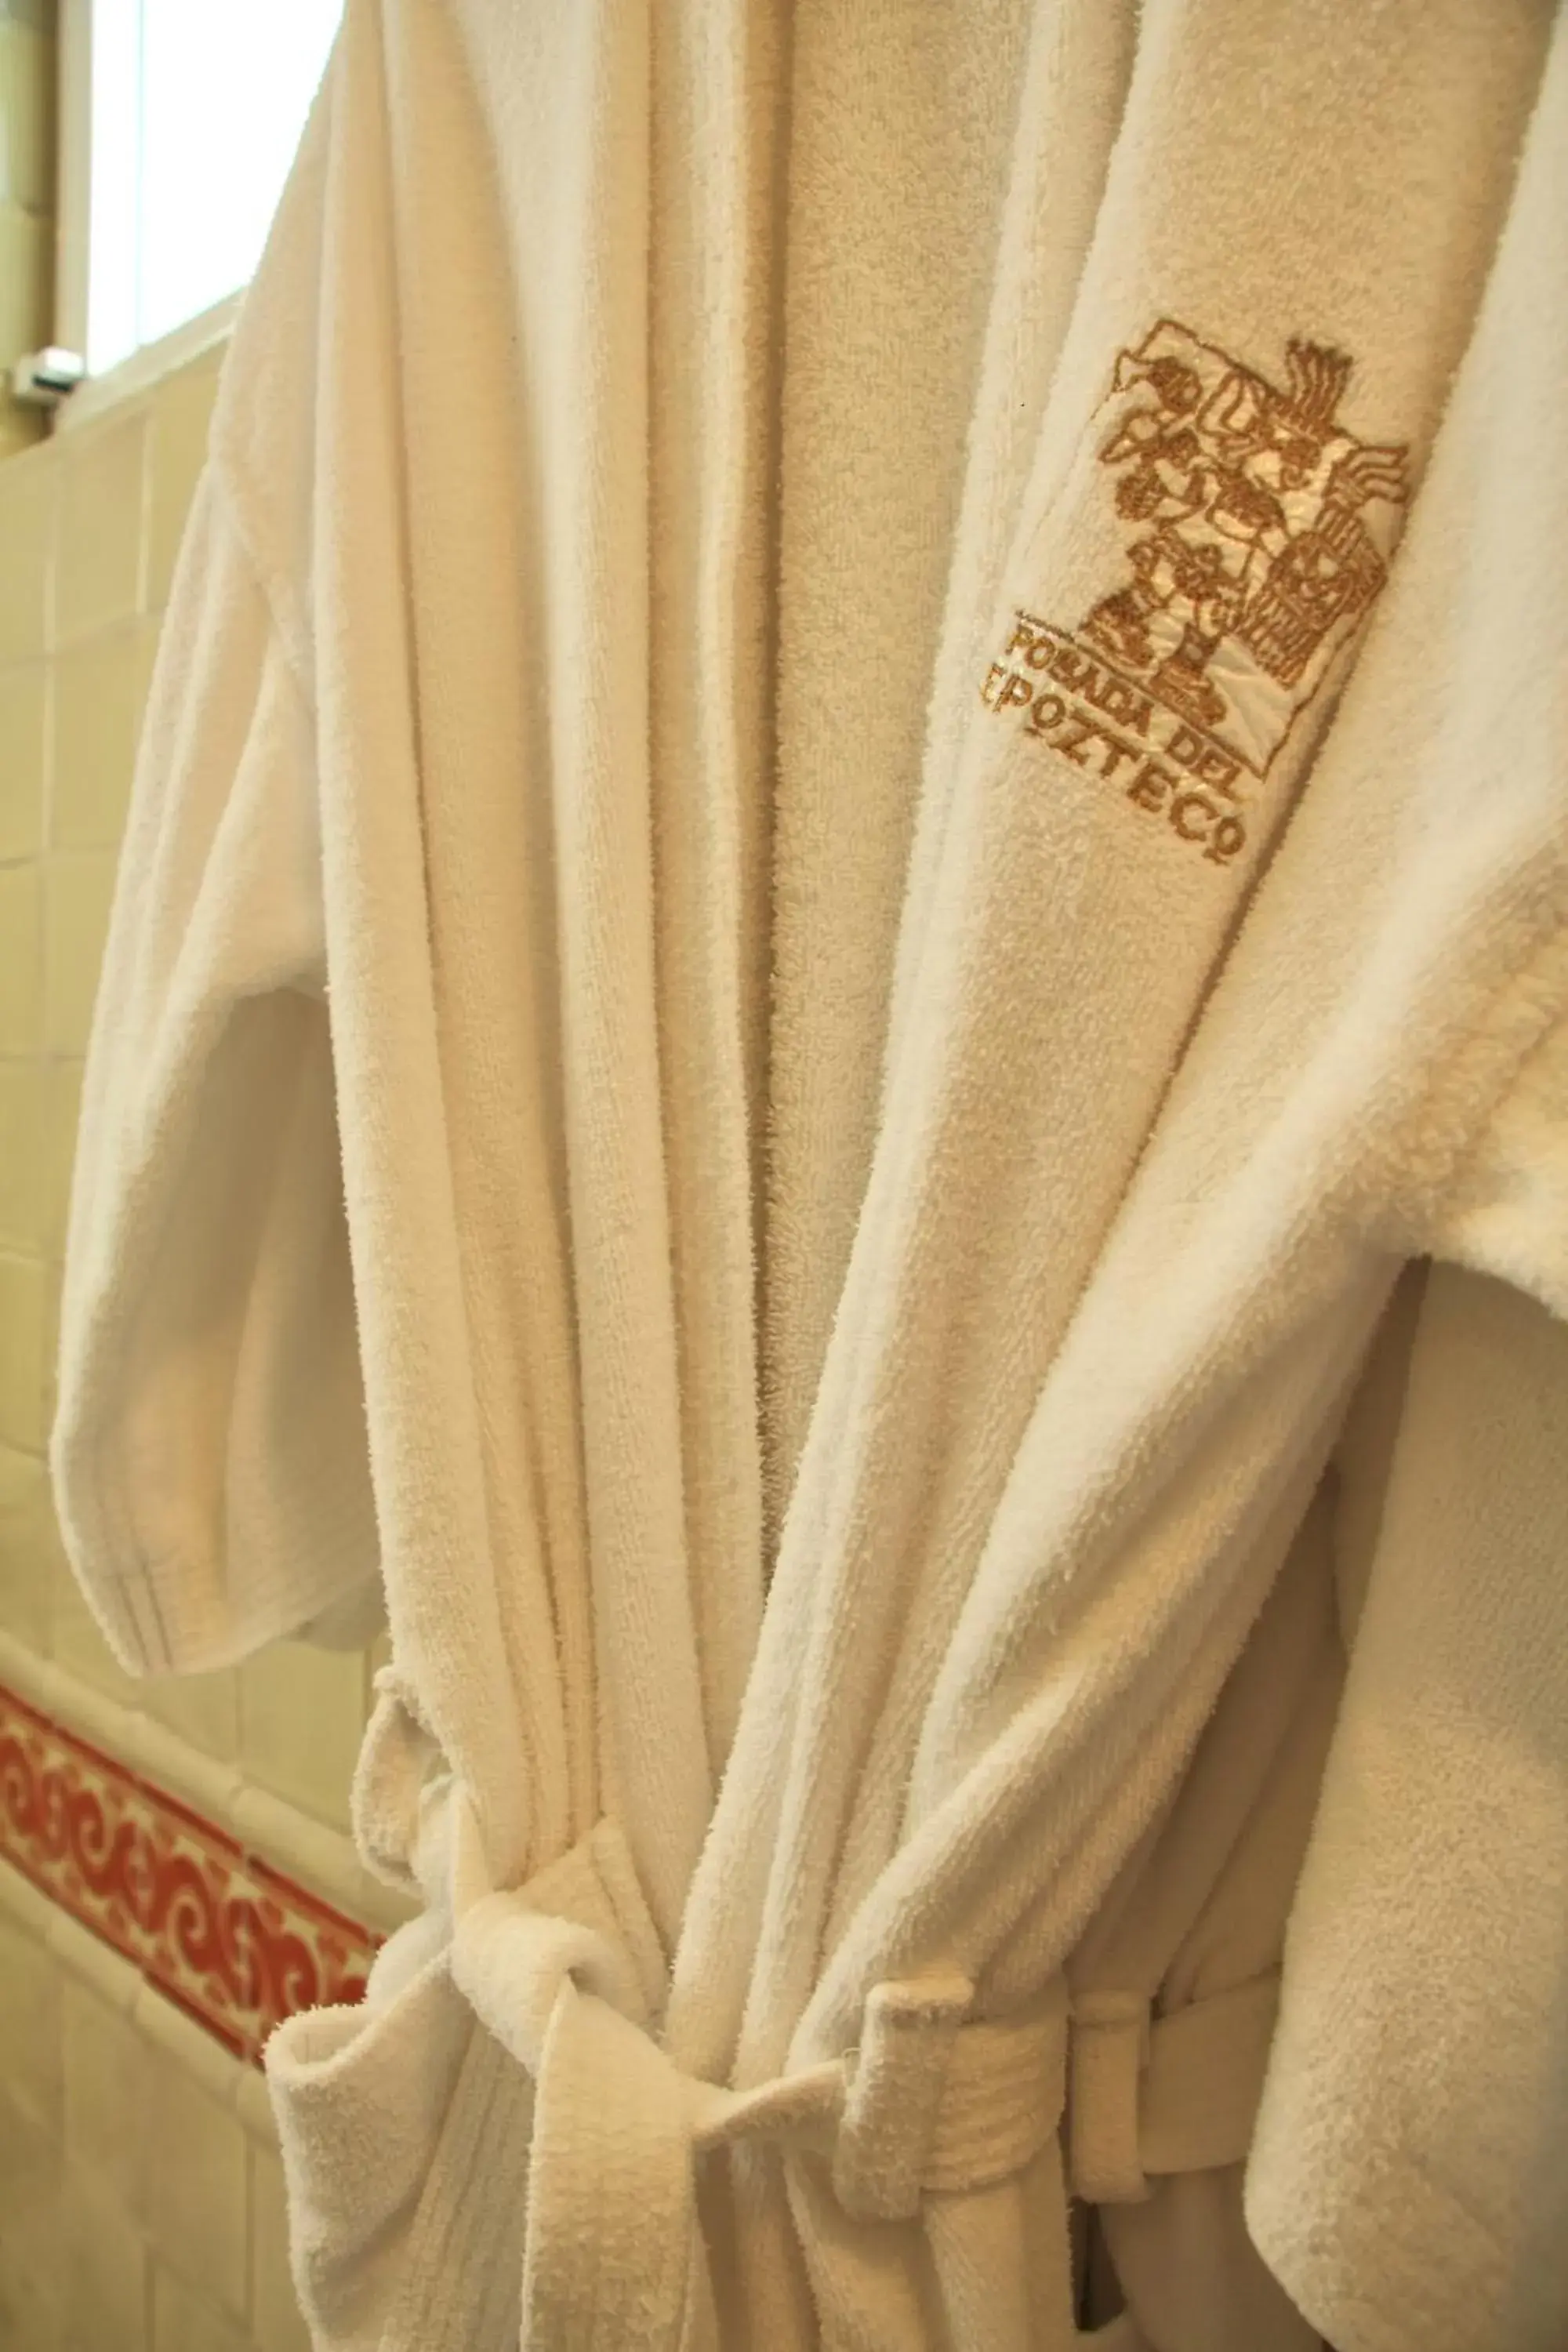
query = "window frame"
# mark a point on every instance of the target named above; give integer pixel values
(77, 188)
(81, 185)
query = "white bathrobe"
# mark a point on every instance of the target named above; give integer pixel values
(856, 809)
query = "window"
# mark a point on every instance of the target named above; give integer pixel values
(180, 119)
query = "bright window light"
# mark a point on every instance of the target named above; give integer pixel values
(196, 108)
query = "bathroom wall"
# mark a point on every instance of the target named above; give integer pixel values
(140, 2194)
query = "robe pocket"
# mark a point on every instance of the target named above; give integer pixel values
(361, 2097)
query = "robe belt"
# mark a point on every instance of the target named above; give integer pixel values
(567, 1974)
(1150, 2095)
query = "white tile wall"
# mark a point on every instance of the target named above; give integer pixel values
(197, 2208)
(274, 2309)
(105, 2266)
(108, 2121)
(302, 1717)
(141, 2191)
(31, 2236)
(30, 2033)
(183, 2321)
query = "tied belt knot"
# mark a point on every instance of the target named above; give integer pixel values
(568, 1975)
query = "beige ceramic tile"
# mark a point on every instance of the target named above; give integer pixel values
(77, 893)
(194, 2160)
(30, 2247)
(77, 1643)
(61, 1105)
(21, 959)
(23, 698)
(107, 2073)
(302, 1721)
(99, 687)
(29, 1549)
(24, 1315)
(104, 2270)
(28, 494)
(30, 2289)
(275, 2319)
(202, 1708)
(26, 261)
(53, 1281)
(181, 407)
(20, 429)
(98, 562)
(185, 2321)
(26, 94)
(30, 2024)
(25, 1172)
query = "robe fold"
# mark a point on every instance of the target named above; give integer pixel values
(836, 1019)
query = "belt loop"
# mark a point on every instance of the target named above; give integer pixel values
(894, 2094)
(395, 1761)
(1109, 2052)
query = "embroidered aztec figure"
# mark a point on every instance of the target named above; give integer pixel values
(1262, 533)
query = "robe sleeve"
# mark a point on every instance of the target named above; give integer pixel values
(209, 1451)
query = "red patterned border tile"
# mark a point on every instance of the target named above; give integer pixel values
(218, 1930)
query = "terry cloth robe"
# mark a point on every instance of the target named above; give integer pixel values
(852, 817)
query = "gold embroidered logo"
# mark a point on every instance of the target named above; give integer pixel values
(1256, 532)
